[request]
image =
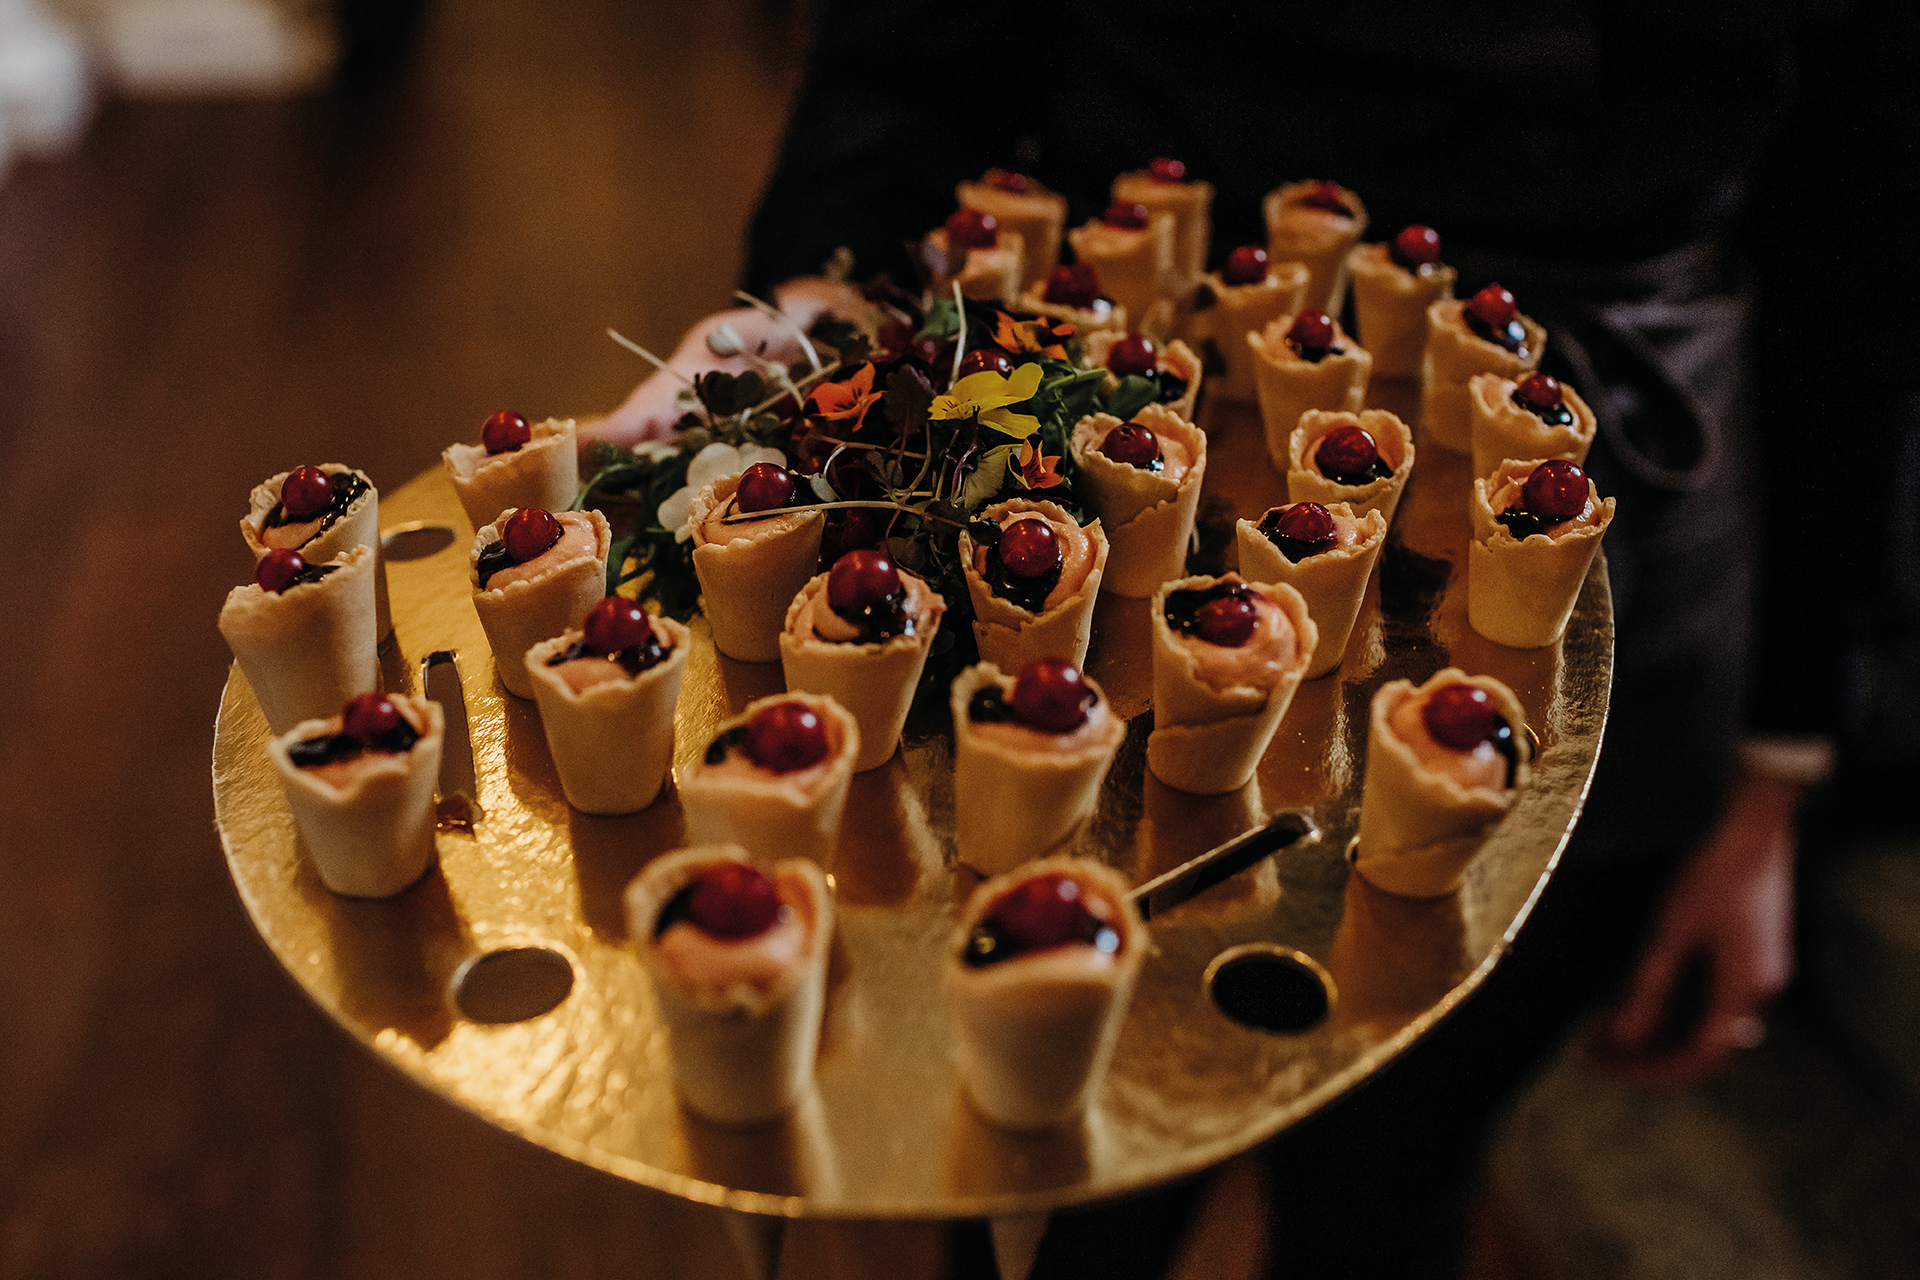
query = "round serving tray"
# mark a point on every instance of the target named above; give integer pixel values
(525, 908)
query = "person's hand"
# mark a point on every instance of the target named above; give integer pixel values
(1722, 946)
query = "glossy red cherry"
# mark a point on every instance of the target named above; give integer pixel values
(370, 717)
(1131, 217)
(306, 493)
(983, 359)
(1246, 265)
(765, 486)
(1051, 695)
(1029, 548)
(787, 736)
(1132, 355)
(1539, 393)
(529, 532)
(1227, 621)
(1131, 445)
(1074, 284)
(1461, 717)
(1327, 196)
(1346, 451)
(1311, 334)
(505, 431)
(1555, 492)
(972, 229)
(1045, 911)
(1494, 307)
(276, 570)
(1307, 522)
(732, 900)
(614, 624)
(1168, 171)
(860, 580)
(1416, 247)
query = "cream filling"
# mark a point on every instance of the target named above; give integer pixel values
(738, 764)
(1271, 650)
(1104, 240)
(1175, 458)
(1310, 225)
(291, 537)
(817, 618)
(588, 672)
(1014, 736)
(577, 539)
(1076, 557)
(1508, 496)
(342, 774)
(715, 530)
(1069, 960)
(696, 961)
(1482, 767)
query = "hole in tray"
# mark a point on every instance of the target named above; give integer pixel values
(415, 540)
(512, 984)
(1270, 988)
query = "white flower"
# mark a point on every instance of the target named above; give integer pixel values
(710, 464)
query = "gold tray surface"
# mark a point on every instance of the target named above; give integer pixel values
(886, 1132)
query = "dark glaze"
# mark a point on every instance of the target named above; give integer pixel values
(493, 558)
(331, 748)
(987, 944)
(1292, 548)
(725, 741)
(1184, 606)
(1558, 415)
(1513, 337)
(879, 621)
(347, 488)
(633, 659)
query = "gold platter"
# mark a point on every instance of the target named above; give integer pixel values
(526, 907)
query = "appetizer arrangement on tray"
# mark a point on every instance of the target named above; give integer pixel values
(931, 607)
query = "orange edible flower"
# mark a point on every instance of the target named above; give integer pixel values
(849, 399)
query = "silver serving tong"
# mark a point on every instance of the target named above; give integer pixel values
(1197, 875)
(458, 808)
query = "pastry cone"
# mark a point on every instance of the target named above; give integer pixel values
(322, 540)
(1010, 637)
(1020, 792)
(750, 572)
(1390, 307)
(742, 1049)
(1136, 265)
(1225, 314)
(1394, 440)
(612, 741)
(992, 273)
(1503, 429)
(1287, 386)
(1454, 354)
(874, 682)
(568, 580)
(1419, 825)
(310, 648)
(1104, 315)
(1521, 591)
(1211, 723)
(728, 799)
(1175, 357)
(1190, 203)
(368, 822)
(544, 472)
(1333, 583)
(1320, 239)
(1035, 1031)
(1147, 515)
(1038, 215)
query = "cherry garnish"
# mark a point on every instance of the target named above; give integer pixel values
(1134, 446)
(1133, 354)
(1246, 265)
(1461, 717)
(1227, 621)
(306, 493)
(765, 486)
(1415, 247)
(1311, 335)
(1007, 180)
(732, 900)
(1301, 530)
(1327, 196)
(614, 624)
(1131, 217)
(1348, 455)
(279, 569)
(972, 229)
(1039, 914)
(860, 580)
(505, 432)
(1168, 171)
(1556, 492)
(1493, 306)
(1540, 394)
(370, 717)
(983, 359)
(1051, 695)
(1029, 548)
(786, 736)
(529, 532)
(1074, 284)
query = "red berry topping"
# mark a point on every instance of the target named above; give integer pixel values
(277, 570)
(1131, 217)
(1046, 911)
(1311, 334)
(1555, 492)
(1347, 454)
(787, 736)
(1494, 307)
(370, 717)
(1306, 522)
(614, 624)
(765, 486)
(505, 431)
(1073, 285)
(972, 229)
(1132, 354)
(1227, 621)
(732, 900)
(1461, 717)
(1029, 548)
(1168, 171)
(1007, 180)
(1052, 695)
(1327, 196)
(1246, 265)
(861, 579)
(983, 359)
(529, 532)
(1132, 445)
(1415, 247)
(1539, 393)
(306, 493)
